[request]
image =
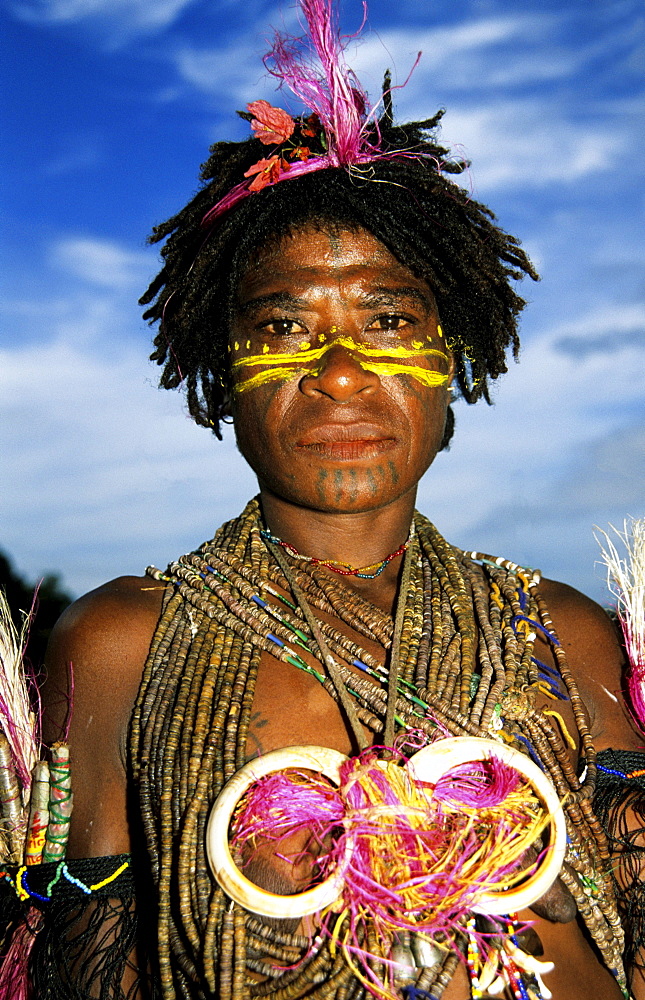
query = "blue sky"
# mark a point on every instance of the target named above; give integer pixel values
(110, 106)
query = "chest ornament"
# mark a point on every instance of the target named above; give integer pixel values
(417, 846)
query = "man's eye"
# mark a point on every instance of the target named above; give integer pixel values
(389, 323)
(283, 327)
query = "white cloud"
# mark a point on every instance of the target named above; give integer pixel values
(519, 143)
(102, 262)
(235, 72)
(549, 412)
(554, 530)
(124, 15)
(82, 153)
(118, 473)
(463, 56)
(608, 329)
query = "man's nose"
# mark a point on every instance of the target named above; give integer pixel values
(340, 376)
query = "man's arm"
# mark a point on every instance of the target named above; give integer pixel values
(93, 669)
(598, 663)
(94, 664)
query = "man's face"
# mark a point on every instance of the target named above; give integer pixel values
(340, 372)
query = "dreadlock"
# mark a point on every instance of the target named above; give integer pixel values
(425, 220)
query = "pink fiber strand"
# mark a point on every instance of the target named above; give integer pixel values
(635, 676)
(481, 784)
(15, 982)
(333, 92)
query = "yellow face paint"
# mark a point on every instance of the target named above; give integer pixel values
(439, 330)
(424, 375)
(277, 363)
(272, 375)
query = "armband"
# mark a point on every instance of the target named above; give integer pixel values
(70, 929)
(620, 791)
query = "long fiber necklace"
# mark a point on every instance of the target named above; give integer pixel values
(466, 638)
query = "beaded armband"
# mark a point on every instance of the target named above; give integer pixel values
(620, 791)
(40, 884)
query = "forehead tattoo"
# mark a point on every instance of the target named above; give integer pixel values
(335, 243)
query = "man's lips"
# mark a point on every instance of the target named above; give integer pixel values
(347, 441)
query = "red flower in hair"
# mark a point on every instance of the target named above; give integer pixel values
(267, 171)
(271, 125)
(313, 126)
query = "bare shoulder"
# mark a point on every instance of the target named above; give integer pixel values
(94, 664)
(594, 652)
(100, 643)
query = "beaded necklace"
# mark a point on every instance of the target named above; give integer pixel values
(343, 569)
(466, 666)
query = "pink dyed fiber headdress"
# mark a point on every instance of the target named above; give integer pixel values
(339, 122)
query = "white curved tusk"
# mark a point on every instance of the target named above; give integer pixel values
(430, 763)
(239, 888)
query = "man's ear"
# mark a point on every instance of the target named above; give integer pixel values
(451, 367)
(226, 409)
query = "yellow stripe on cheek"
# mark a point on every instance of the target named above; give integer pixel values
(300, 357)
(271, 375)
(423, 375)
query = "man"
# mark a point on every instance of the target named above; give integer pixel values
(328, 301)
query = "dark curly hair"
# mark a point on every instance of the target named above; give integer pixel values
(425, 220)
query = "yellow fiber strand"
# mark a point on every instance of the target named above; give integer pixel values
(544, 688)
(376, 988)
(334, 933)
(563, 727)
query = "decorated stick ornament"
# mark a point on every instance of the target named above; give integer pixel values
(60, 804)
(38, 814)
(18, 736)
(17, 719)
(11, 809)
